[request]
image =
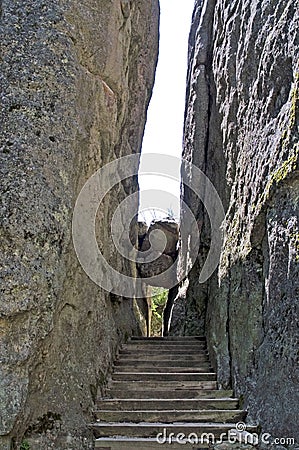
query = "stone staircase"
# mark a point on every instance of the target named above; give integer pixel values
(161, 386)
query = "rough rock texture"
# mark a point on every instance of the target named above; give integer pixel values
(165, 241)
(241, 129)
(157, 267)
(142, 229)
(181, 317)
(76, 78)
(160, 242)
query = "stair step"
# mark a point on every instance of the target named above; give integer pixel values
(170, 415)
(168, 338)
(145, 349)
(151, 429)
(160, 364)
(163, 342)
(162, 358)
(162, 353)
(157, 369)
(164, 385)
(167, 343)
(167, 385)
(181, 393)
(175, 404)
(140, 346)
(164, 376)
(121, 443)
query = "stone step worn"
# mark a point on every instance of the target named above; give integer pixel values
(163, 352)
(161, 386)
(164, 376)
(169, 416)
(169, 369)
(125, 443)
(173, 346)
(150, 342)
(161, 363)
(151, 429)
(163, 358)
(175, 393)
(161, 404)
(167, 385)
(168, 338)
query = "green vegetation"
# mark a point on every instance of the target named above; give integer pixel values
(159, 298)
(284, 136)
(282, 172)
(288, 166)
(25, 445)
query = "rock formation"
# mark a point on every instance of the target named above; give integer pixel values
(76, 78)
(159, 244)
(165, 241)
(241, 129)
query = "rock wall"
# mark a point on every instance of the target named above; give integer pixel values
(241, 129)
(76, 78)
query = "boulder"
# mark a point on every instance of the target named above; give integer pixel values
(165, 240)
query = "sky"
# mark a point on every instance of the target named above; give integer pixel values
(164, 127)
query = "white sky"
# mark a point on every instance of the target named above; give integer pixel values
(164, 128)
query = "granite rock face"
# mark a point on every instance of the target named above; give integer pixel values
(162, 236)
(76, 78)
(241, 129)
(159, 245)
